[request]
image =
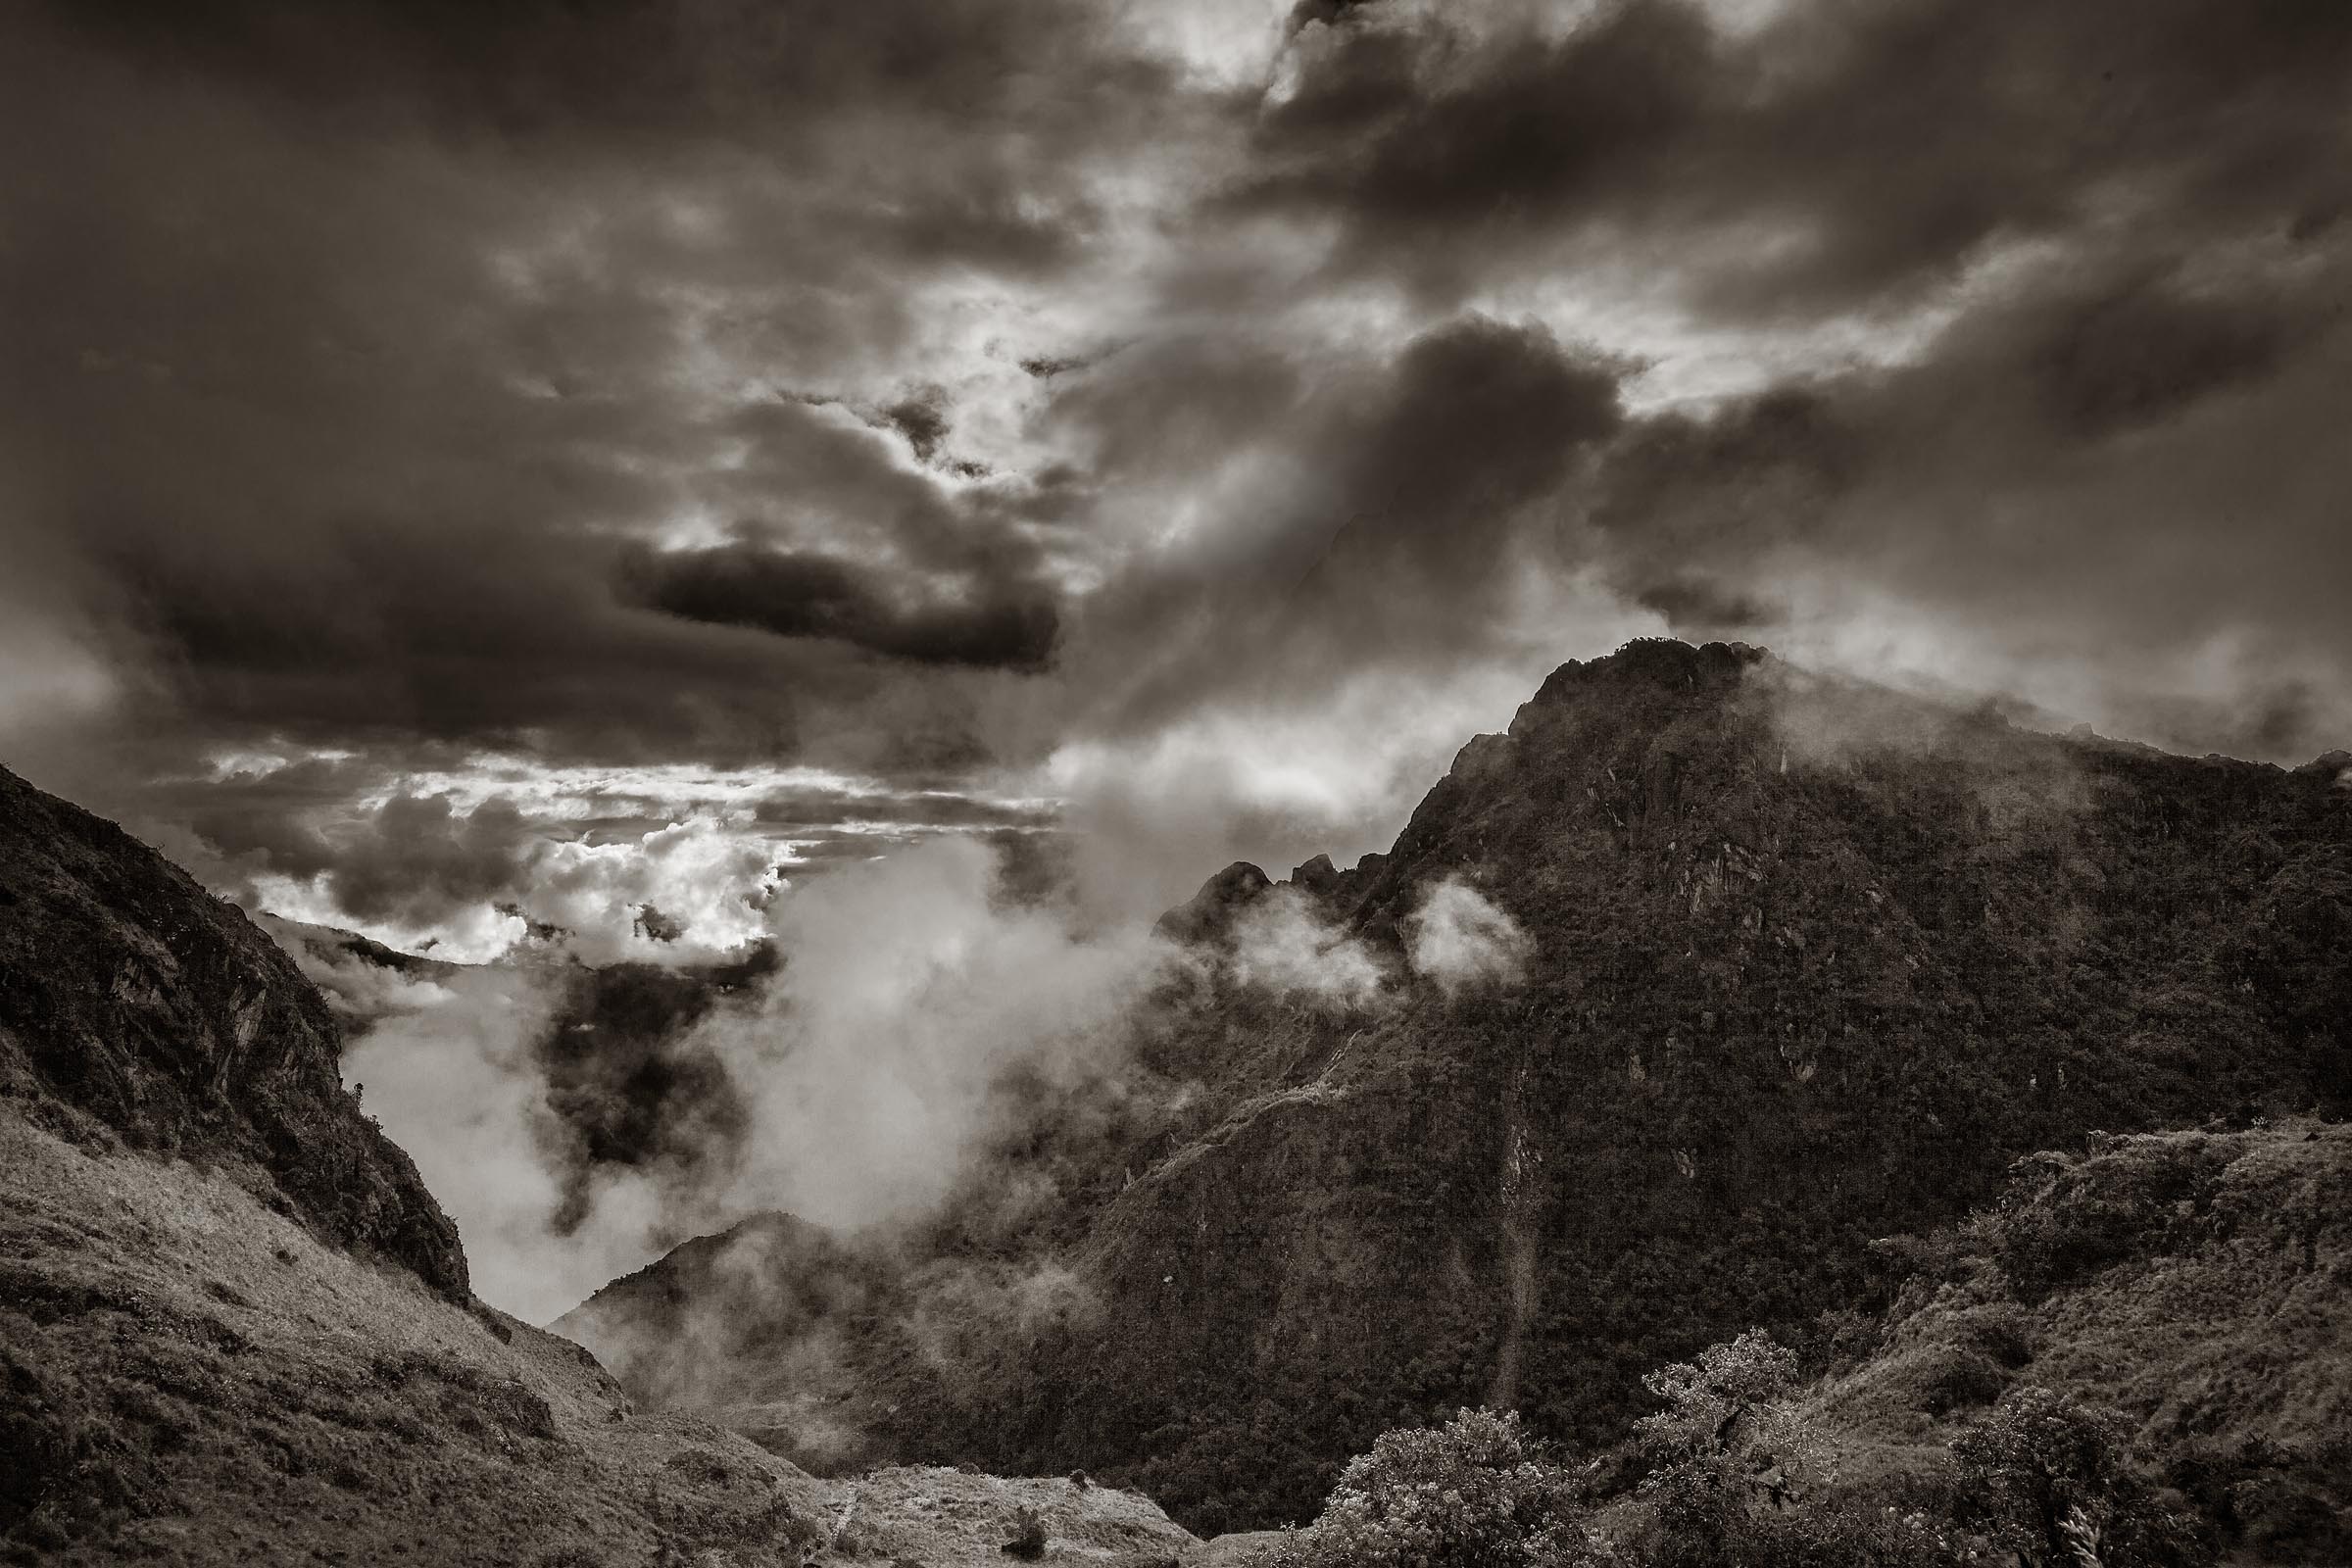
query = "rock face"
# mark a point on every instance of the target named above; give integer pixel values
(1210, 912)
(136, 1006)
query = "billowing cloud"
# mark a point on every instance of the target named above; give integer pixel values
(1285, 944)
(457, 1084)
(1460, 937)
(911, 995)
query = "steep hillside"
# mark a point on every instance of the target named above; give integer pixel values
(137, 1009)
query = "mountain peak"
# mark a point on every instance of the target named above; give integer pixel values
(1209, 913)
(1660, 663)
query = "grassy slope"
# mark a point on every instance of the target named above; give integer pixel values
(194, 1379)
(137, 1009)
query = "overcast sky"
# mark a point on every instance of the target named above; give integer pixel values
(468, 465)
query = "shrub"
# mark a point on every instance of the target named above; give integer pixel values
(1961, 1378)
(1028, 1535)
(1476, 1493)
(1730, 1454)
(2048, 1480)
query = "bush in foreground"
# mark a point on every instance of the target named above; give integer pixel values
(1739, 1479)
(1476, 1493)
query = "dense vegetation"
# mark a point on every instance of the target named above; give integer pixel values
(1736, 1478)
(2142, 1355)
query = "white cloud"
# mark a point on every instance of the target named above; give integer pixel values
(1285, 943)
(1462, 939)
(907, 993)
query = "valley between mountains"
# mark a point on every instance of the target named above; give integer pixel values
(1972, 1066)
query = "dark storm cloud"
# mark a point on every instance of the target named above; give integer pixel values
(922, 419)
(814, 473)
(805, 594)
(2106, 355)
(915, 392)
(351, 342)
(1427, 478)
(1836, 155)
(637, 69)
(2115, 466)
(418, 858)
(1703, 609)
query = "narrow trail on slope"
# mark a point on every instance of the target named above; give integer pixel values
(1522, 1206)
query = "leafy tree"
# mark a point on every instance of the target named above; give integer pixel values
(2051, 1481)
(1729, 1437)
(1476, 1493)
(1742, 1478)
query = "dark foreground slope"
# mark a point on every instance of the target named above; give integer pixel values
(136, 1009)
(235, 1328)
(1809, 964)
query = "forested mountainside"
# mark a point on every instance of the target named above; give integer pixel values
(1773, 966)
(2134, 1358)
(234, 1327)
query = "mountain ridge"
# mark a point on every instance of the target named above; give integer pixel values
(1811, 961)
(235, 1328)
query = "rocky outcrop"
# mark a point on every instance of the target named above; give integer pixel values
(1209, 916)
(137, 1009)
